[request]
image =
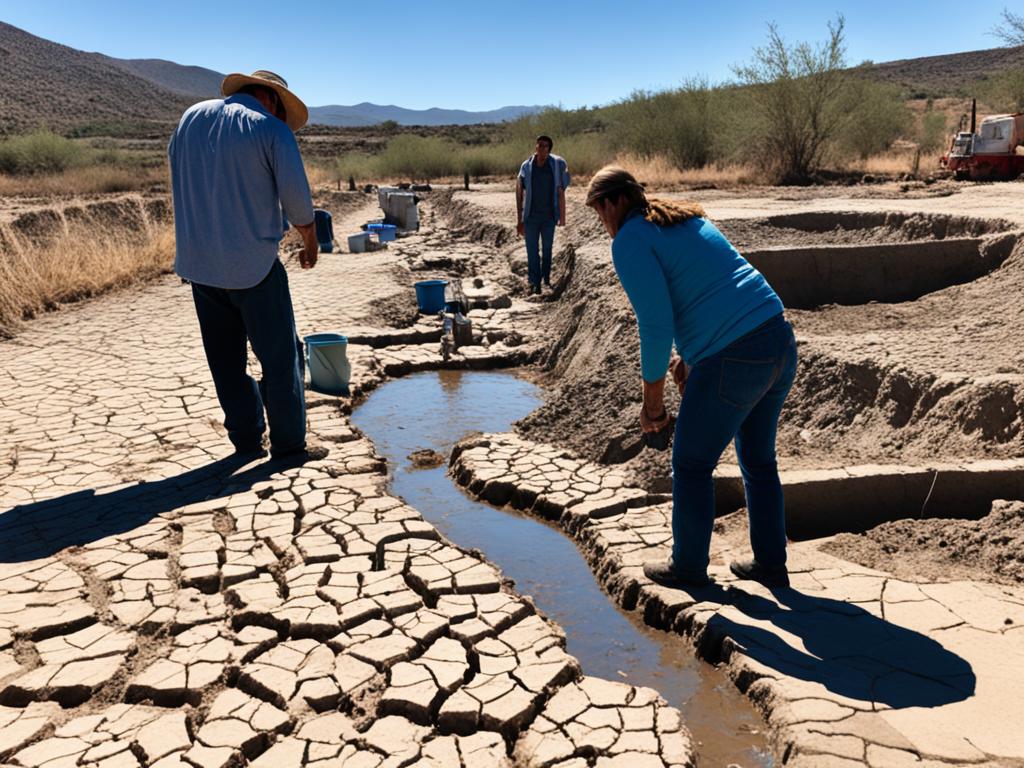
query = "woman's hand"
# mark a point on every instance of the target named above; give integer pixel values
(653, 415)
(679, 372)
(651, 424)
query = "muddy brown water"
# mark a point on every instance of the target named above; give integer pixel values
(434, 411)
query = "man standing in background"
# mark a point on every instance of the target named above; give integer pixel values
(235, 165)
(540, 203)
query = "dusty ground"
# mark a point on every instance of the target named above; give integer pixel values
(267, 614)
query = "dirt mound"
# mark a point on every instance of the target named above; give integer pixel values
(939, 378)
(990, 549)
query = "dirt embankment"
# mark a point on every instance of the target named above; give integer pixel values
(936, 379)
(990, 549)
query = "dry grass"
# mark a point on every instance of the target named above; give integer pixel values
(890, 164)
(660, 172)
(89, 180)
(86, 260)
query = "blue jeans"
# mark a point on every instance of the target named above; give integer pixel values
(544, 231)
(736, 393)
(261, 315)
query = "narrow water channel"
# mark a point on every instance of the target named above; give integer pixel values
(435, 410)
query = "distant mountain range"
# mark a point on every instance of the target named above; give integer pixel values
(372, 114)
(45, 84)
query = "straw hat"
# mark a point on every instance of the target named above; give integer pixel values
(296, 113)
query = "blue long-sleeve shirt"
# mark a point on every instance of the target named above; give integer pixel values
(687, 284)
(234, 167)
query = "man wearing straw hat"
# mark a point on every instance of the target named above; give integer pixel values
(235, 170)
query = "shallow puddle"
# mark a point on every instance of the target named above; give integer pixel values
(437, 409)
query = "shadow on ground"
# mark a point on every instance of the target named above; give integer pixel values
(42, 529)
(838, 645)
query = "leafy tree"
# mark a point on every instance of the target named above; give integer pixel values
(798, 90)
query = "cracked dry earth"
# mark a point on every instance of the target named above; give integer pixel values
(850, 667)
(163, 604)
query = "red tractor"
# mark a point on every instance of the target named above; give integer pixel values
(994, 151)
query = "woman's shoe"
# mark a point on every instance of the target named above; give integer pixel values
(754, 571)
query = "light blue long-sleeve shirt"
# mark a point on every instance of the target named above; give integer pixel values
(560, 180)
(687, 284)
(234, 167)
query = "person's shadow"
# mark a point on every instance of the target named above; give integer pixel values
(41, 529)
(846, 649)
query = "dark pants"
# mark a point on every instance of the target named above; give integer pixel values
(261, 315)
(544, 231)
(739, 393)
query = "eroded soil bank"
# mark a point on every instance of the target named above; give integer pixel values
(934, 380)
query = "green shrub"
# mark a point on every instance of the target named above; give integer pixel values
(1004, 91)
(362, 168)
(419, 157)
(39, 152)
(876, 117)
(678, 124)
(497, 159)
(934, 134)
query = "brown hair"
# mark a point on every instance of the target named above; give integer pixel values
(612, 183)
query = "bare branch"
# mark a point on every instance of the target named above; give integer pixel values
(1011, 29)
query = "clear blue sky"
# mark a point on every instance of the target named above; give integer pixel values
(484, 54)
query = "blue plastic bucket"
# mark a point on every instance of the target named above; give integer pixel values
(430, 296)
(384, 232)
(324, 230)
(329, 368)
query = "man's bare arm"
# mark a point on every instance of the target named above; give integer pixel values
(309, 253)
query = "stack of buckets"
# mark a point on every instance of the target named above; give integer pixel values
(329, 368)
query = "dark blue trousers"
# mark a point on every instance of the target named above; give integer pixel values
(540, 238)
(261, 316)
(736, 393)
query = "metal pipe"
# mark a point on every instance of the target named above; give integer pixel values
(974, 115)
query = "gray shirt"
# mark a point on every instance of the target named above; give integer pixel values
(234, 167)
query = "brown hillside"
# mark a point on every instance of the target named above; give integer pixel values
(191, 81)
(954, 74)
(48, 85)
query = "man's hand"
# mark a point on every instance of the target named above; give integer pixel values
(679, 372)
(521, 228)
(311, 248)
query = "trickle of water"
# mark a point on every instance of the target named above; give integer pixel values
(434, 411)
